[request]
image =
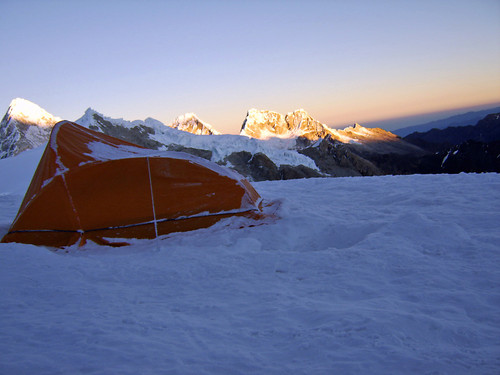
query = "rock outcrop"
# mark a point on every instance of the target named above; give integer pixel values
(337, 159)
(258, 167)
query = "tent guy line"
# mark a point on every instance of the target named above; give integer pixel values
(222, 214)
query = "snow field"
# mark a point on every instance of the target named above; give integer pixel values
(371, 275)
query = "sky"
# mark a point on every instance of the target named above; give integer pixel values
(342, 61)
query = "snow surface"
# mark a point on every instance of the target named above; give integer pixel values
(367, 275)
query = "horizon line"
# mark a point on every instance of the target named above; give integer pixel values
(419, 118)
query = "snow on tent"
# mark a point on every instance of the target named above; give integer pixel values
(90, 186)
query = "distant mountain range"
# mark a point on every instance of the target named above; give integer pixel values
(486, 130)
(471, 148)
(26, 125)
(270, 146)
(464, 119)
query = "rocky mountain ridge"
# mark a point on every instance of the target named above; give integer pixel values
(299, 125)
(154, 134)
(26, 125)
(273, 146)
(263, 124)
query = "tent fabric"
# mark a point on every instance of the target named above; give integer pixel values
(90, 186)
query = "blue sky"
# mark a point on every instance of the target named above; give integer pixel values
(342, 61)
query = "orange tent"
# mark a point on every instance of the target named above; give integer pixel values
(90, 186)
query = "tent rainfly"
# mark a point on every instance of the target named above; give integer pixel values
(90, 186)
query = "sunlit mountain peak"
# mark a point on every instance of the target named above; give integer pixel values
(26, 112)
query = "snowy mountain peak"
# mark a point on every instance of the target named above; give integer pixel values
(87, 118)
(303, 125)
(26, 112)
(372, 134)
(189, 122)
(300, 111)
(371, 137)
(264, 124)
(90, 111)
(149, 121)
(24, 126)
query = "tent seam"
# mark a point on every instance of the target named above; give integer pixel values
(72, 204)
(152, 198)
